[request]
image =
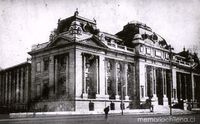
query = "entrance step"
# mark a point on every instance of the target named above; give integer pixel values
(161, 109)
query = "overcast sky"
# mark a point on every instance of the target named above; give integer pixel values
(27, 22)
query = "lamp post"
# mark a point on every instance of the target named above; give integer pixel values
(170, 92)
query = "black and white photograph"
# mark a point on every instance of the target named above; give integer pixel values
(99, 61)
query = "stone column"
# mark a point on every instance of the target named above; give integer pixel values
(155, 98)
(106, 76)
(180, 87)
(126, 81)
(1, 83)
(193, 89)
(51, 75)
(26, 85)
(174, 84)
(116, 81)
(9, 87)
(3, 88)
(13, 98)
(154, 84)
(21, 86)
(85, 94)
(6, 89)
(165, 99)
(97, 74)
(185, 81)
(17, 92)
(186, 97)
(67, 75)
(102, 79)
(56, 76)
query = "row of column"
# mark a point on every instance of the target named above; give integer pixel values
(154, 77)
(185, 86)
(97, 75)
(54, 74)
(86, 74)
(119, 75)
(13, 85)
(182, 85)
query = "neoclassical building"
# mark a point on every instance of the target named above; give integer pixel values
(82, 68)
(15, 84)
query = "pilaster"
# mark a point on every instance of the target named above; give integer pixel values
(9, 87)
(155, 98)
(165, 99)
(51, 75)
(84, 91)
(174, 84)
(126, 81)
(56, 76)
(102, 80)
(17, 86)
(193, 88)
(26, 83)
(21, 86)
(116, 80)
(6, 88)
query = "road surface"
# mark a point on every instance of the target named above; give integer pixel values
(112, 119)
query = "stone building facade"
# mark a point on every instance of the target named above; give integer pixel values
(14, 88)
(86, 69)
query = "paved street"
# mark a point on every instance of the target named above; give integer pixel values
(113, 119)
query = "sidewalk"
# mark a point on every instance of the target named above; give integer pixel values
(86, 113)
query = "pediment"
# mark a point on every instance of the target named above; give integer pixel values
(60, 41)
(88, 40)
(93, 42)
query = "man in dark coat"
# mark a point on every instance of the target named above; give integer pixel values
(106, 110)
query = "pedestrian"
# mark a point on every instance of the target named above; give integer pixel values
(106, 110)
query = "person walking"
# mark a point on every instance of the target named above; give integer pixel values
(106, 110)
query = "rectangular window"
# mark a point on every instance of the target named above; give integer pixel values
(38, 67)
(158, 53)
(148, 50)
(46, 64)
(141, 48)
(167, 56)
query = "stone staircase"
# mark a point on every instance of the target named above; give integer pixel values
(160, 109)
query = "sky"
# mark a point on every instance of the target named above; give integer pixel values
(27, 22)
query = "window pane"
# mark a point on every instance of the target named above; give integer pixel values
(38, 68)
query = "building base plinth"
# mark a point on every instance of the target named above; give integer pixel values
(117, 97)
(126, 97)
(100, 96)
(84, 95)
(165, 101)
